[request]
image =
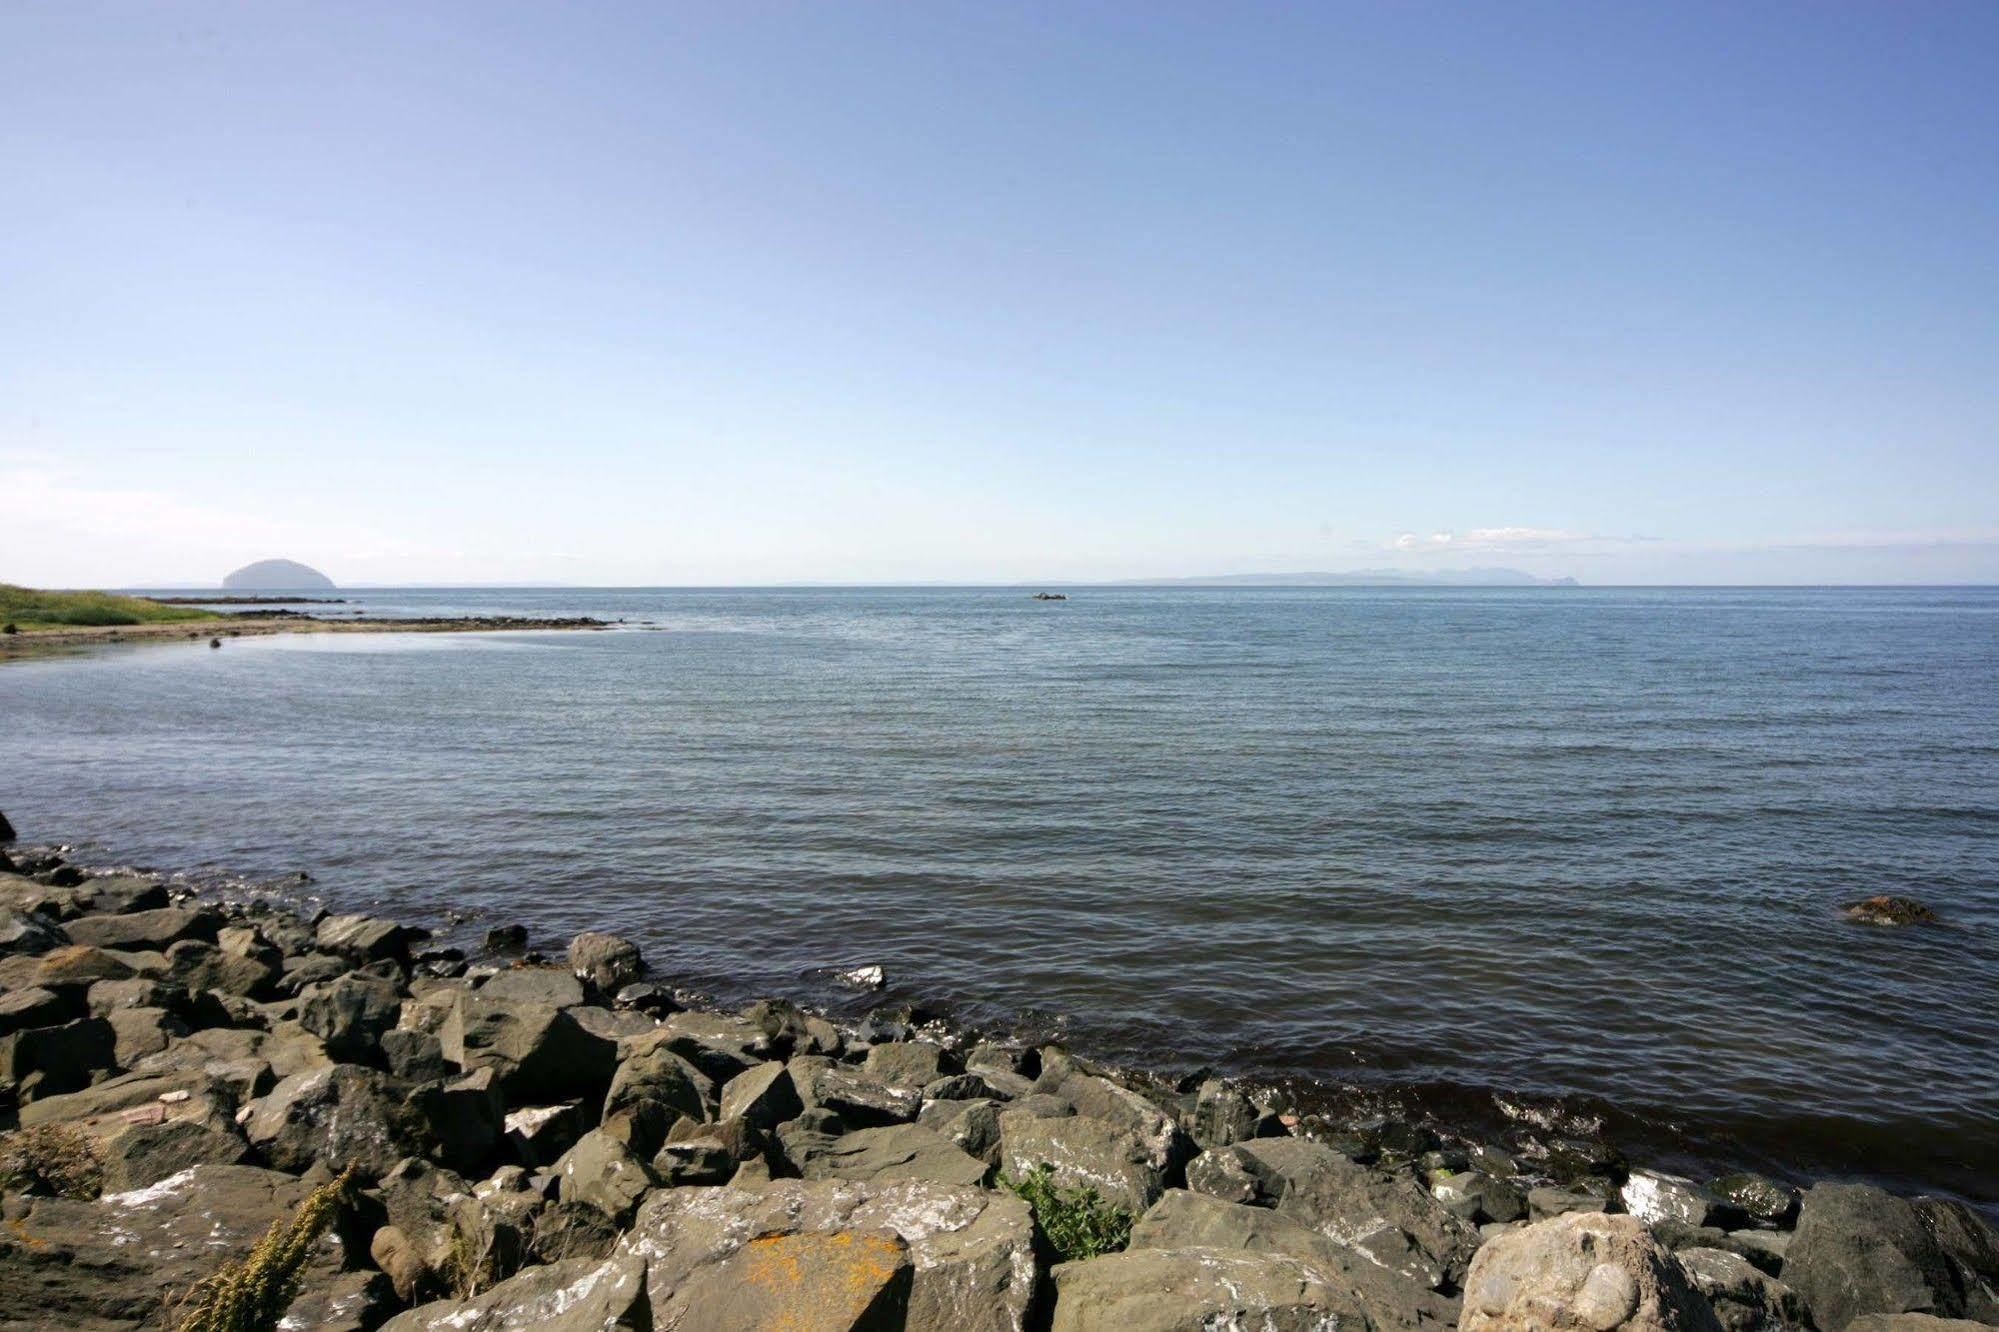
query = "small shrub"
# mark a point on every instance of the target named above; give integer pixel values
(1077, 1223)
(252, 1295)
(54, 1159)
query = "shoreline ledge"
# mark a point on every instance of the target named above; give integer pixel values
(569, 1143)
(258, 625)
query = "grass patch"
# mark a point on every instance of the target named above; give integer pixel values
(252, 1295)
(1077, 1223)
(31, 608)
(53, 1159)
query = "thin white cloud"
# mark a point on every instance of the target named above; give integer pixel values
(1505, 540)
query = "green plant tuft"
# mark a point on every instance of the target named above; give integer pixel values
(252, 1295)
(54, 1159)
(1077, 1223)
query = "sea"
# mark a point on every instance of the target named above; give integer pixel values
(1532, 859)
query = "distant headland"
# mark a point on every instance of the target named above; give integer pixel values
(277, 575)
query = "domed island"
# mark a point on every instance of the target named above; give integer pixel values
(277, 576)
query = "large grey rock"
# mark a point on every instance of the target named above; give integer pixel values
(858, 1099)
(574, 1295)
(1583, 1272)
(1971, 1246)
(1389, 1217)
(764, 1095)
(1859, 1250)
(606, 961)
(971, 1251)
(540, 1054)
(35, 1007)
(1654, 1196)
(1743, 1299)
(196, 964)
(908, 1064)
(1221, 1115)
(1185, 1220)
(351, 1015)
(344, 1114)
(1198, 1290)
(28, 932)
(1758, 1196)
(651, 1071)
(718, 1044)
(539, 1134)
(1083, 1153)
(898, 1151)
(363, 939)
(124, 1260)
(48, 1061)
(603, 1173)
(970, 1126)
(535, 985)
(155, 931)
(1914, 1322)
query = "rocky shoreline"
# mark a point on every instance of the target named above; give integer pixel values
(259, 624)
(506, 1140)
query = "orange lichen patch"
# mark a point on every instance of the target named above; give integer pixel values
(21, 1235)
(824, 1280)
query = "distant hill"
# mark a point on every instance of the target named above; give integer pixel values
(1364, 578)
(278, 576)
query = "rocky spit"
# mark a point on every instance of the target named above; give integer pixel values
(563, 1145)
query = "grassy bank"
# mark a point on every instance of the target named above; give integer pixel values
(24, 608)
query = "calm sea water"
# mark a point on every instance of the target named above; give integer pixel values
(1578, 844)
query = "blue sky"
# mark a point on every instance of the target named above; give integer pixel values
(879, 292)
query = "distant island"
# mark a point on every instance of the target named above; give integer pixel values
(1363, 578)
(277, 575)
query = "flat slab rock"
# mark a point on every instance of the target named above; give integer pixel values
(970, 1253)
(115, 1261)
(1196, 1290)
(574, 1295)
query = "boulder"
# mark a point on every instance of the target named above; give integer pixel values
(144, 1148)
(416, 1056)
(507, 938)
(1196, 1290)
(970, 1126)
(535, 985)
(1479, 1198)
(1758, 1196)
(363, 939)
(1743, 1299)
(49, 1061)
(78, 967)
(351, 1015)
(899, 1151)
(1971, 1246)
(34, 1007)
(538, 1135)
(1914, 1322)
(466, 1118)
(1859, 1250)
(716, 1043)
(1883, 909)
(125, 1259)
(344, 1113)
(1548, 1201)
(349, 1302)
(1582, 1272)
(573, 1295)
(1083, 1153)
(907, 1064)
(859, 1100)
(1389, 1217)
(651, 1071)
(969, 1252)
(1222, 1174)
(138, 1032)
(764, 1095)
(564, 1231)
(1654, 1196)
(606, 961)
(199, 965)
(121, 892)
(27, 932)
(153, 931)
(603, 1173)
(1185, 1220)
(1222, 1115)
(539, 1053)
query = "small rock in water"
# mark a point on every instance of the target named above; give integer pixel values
(1883, 909)
(870, 977)
(507, 938)
(6, 829)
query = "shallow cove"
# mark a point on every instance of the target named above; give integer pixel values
(1549, 841)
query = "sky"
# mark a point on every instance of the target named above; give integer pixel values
(762, 293)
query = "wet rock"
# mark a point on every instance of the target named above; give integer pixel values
(1859, 1250)
(1191, 1290)
(899, 1151)
(1765, 1249)
(1389, 1217)
(1580, 1271)
(606, 961)
(1185, 1220)
(1479, 1198)
(535, 985)
(764, 1095)
(969, 1252)
(1222, 1115)
(23, 933)
(1759, 1197)
(602, 1172)
(1654, 1196)
(364, 939)
(1743, 1299)
(539, 1053)
(156, 930)
(345, 1113)
(1886, 910)
(7, 833)
(644, 997)
(1971, 1246)
(351, 1015)
(574, 1295)
(1545, 1202)
(507, 938)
